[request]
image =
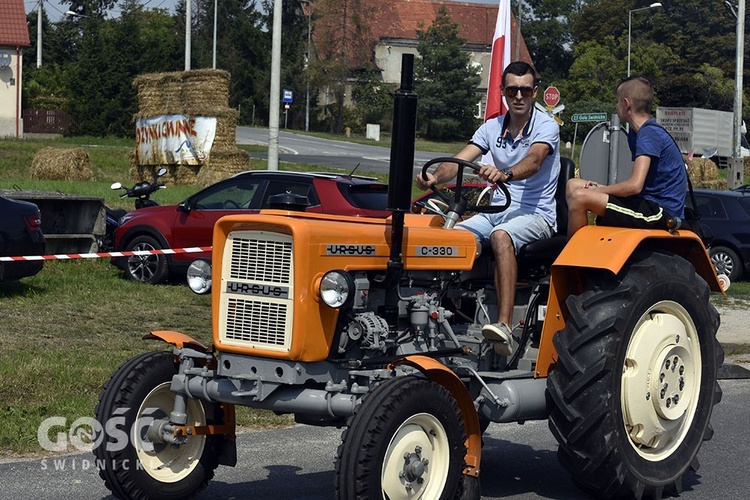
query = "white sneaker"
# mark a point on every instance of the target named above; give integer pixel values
(499, 333)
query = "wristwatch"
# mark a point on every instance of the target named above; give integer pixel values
(508, 173)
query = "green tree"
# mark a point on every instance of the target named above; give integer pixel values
(342, 43)
(111, 53)
(445, 82)
(546, 27)
(373, 99)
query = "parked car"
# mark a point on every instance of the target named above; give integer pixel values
(726, 216)
(20, 234)
(191, 223)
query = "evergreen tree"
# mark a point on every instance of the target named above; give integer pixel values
(445, 82)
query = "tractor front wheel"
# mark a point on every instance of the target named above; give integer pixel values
(635, 381)
(405, 441)
(135, 464)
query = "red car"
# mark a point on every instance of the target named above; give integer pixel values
(191, 223)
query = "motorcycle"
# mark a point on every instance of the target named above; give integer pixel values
(142, 193)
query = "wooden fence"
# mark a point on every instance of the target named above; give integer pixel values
(45, 121)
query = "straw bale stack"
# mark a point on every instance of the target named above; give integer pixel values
(704, 173)
(225, 162)
(203, 92)
(54, 164)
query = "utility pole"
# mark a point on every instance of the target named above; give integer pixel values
(39, 13)
(273, 108)
(188, 29)
(735, 177)
(216, 14)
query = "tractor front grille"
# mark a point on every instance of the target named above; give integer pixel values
(257, 296)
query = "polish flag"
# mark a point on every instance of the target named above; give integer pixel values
(500, 58)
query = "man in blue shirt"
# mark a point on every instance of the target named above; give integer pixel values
(657, 187)
(524, 145)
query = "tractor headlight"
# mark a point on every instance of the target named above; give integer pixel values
(336, 288)
(199, 276)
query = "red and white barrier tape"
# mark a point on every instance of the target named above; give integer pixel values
(136, 253)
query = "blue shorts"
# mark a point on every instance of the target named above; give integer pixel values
(522, 227)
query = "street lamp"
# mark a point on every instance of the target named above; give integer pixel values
(216, 14)
(75, 14)
(307, 64)
(630, 15)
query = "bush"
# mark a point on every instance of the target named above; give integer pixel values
(444, 129)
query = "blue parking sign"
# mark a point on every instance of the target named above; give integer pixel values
(288, 95)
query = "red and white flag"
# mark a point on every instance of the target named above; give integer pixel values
(500, 58)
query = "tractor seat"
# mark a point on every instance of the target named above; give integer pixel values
(536, 258)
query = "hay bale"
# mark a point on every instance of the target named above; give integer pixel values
(223, 163)
(203, 92)
(193, 93)
(711, 184)
(702, 169)
(61, 165)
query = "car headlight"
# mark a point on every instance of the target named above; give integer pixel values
(336, 288)
(199, 276)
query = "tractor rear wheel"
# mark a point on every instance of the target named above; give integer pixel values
(635, 382)
(405, 441)
(132, 464)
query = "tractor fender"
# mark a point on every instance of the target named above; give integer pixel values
(609, 248)
(603, 247)
(177, 339)
(441, 374)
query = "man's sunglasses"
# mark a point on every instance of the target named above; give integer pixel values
(526, 92)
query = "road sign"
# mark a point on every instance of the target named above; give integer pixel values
(551, 96)
(588, 117)
(288, 95)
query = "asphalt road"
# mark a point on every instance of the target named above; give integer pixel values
(519, 462)
(299, 148)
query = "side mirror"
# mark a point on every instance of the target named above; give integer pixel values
(161, 172)
(185, 206)
(199, 276)
(116, 185)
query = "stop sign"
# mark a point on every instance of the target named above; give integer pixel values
(551, 96)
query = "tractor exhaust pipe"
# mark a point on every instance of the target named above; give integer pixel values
(401, 166)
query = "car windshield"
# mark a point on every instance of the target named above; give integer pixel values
(366, 196)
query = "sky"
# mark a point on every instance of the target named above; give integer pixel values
(56, 8)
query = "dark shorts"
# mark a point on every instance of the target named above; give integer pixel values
(633, 212)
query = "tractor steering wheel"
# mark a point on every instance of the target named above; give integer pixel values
(459, 203)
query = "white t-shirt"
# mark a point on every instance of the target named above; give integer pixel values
(535, 194)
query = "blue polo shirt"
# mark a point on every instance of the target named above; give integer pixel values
(666, 180)
(535, 194)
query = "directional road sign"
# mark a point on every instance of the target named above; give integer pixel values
(588, 117)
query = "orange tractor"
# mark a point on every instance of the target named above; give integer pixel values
(375, 326)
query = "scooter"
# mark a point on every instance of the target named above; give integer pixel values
(142, 193)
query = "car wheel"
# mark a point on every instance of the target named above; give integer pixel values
(146, 268)
(726, 262)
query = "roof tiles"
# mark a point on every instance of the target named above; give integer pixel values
(13, 29)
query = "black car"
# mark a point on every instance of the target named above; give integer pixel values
(20, 235)
(726, 217)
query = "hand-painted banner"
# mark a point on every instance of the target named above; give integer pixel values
(174, 139)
